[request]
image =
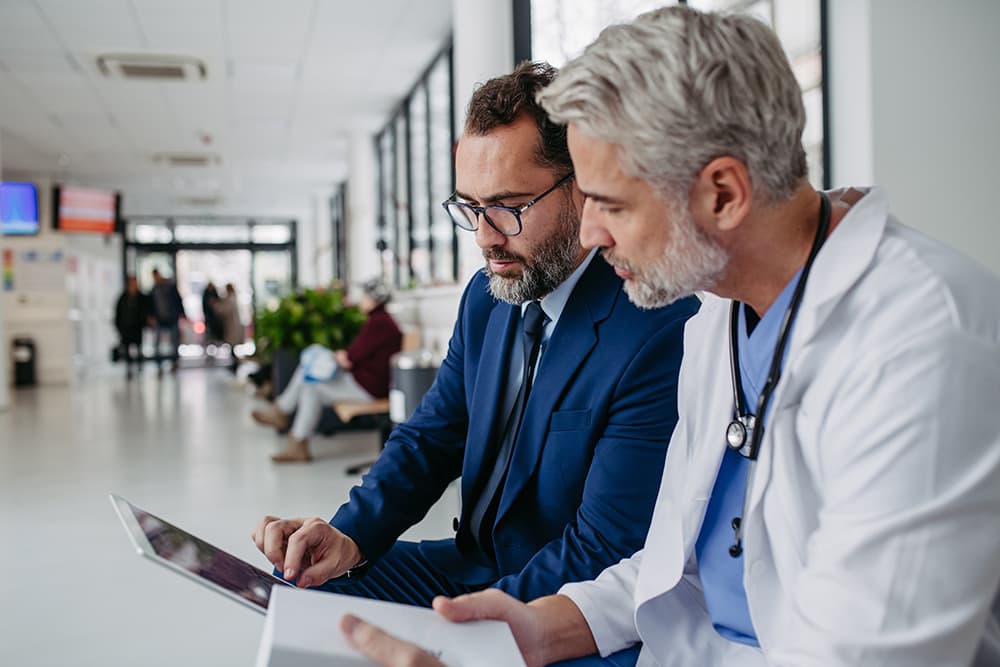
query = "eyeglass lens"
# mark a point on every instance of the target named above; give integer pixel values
(502, 219)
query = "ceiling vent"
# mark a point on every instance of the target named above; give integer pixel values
(207, 201)
(151, 67)
(187, 159)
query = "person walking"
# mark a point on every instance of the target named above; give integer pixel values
(131, 313)
(227, 312)
(167, 311)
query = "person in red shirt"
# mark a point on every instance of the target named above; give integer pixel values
(359, 373)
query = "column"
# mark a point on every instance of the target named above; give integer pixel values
(362, 209)
(483, 48)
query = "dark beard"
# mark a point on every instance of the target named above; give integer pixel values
(551, 263)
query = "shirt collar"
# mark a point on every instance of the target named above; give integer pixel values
(554, 302)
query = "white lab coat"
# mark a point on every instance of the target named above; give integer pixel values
(873, 531)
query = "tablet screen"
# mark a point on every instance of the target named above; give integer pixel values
(161, 540)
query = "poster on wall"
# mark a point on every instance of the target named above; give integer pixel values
(8, 270)
(34, 270)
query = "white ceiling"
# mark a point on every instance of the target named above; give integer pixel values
(288, 83)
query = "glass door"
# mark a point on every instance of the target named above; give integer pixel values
(272, 278)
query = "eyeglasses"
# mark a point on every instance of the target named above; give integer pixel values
(505, 219)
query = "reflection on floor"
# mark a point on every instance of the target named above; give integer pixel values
(182, 447)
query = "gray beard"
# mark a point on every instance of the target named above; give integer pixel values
(691, 262)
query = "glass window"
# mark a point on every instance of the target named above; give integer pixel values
(561, 29)
(271, 234)
(417, 238)
(402, 204)
(387, 207)
(207, 233)
(151, 234)
(797, 24)
(442, 230)
(272, 278)
(338, 214)
(420, 232)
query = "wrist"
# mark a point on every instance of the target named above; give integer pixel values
(563, 627)
(359, 562)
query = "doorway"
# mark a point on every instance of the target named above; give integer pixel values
(258, 257)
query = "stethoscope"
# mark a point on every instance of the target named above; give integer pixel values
(746, 430)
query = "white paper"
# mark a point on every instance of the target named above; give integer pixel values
(303, 630)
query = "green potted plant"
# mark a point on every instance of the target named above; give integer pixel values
(301, 319)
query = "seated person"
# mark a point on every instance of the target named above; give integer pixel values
(359, 373)
(559, 468)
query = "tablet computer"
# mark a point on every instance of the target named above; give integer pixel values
(195, 558)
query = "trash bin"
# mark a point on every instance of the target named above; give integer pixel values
(413, 374)
(24, 362)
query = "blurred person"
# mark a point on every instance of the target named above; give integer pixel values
(131, 314)
(214, 331)
(167, 310)
(559, 467)
(227, 311)
(830, 495)
(324, 377)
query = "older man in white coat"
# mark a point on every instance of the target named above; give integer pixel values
(832, 490)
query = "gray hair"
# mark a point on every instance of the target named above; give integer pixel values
(677, 88)
(377, 291)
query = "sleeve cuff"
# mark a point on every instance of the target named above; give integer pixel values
(611, 623)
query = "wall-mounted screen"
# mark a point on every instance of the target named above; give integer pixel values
(85, 209)
(18, 209)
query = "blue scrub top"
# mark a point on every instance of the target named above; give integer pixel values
(721, 574)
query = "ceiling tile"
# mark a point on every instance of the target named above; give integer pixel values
(286, 81)
(36, 62)
(94, 26)
(192, 27)
(22, 27)
(263, 28)
(59, 95)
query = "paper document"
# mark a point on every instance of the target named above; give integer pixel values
(303, 630)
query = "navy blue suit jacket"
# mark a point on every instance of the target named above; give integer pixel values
(587, 464)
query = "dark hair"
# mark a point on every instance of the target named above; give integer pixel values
(502, 100)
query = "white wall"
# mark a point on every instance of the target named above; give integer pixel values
(915, 93)
(38, 308)
(93, 284)
(484, 48)
(362, 209)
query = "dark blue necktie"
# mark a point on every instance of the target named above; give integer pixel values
(484, 512)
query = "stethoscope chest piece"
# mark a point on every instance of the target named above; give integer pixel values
(739, 431)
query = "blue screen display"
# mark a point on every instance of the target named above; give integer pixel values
(18, 209)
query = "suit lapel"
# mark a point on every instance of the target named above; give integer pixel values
(574, 338)
(490, 384)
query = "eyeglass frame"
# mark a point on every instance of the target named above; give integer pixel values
(516, 211)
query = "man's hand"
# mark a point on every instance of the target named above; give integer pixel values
(546, 630)
(343, 360)
(383, 648)
(526, 622)
(309, 550)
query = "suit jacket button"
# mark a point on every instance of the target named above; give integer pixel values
(454, 524)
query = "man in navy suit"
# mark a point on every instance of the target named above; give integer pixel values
(559, 469)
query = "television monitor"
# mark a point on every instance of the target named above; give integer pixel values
(79, 209)
(18, 209)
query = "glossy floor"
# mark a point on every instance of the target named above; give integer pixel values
(73, 592)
